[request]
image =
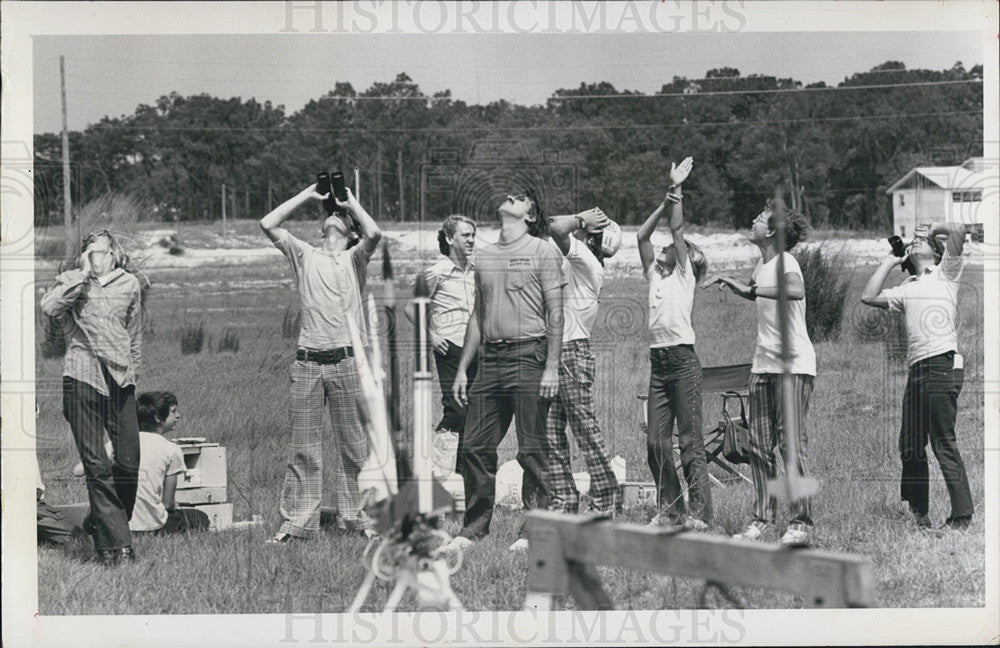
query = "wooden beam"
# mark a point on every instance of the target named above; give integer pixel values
(821, 578)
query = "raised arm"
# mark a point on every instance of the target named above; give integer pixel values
(370, 232)
(271, 223)
(955, 233)
(872, 294)
(646, 255)
(562, 227)
(61, 297)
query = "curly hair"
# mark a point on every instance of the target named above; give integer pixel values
(796, 225)
(448, 229)
(539, 227)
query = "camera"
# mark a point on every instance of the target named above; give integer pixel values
(899, 250)
(475, 183)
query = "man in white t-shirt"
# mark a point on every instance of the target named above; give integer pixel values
(928, 301)
(330, 279)
(584, 240)
(767, 431)
(675, 370)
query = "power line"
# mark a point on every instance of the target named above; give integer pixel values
(442, 129)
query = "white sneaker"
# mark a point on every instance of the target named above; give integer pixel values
(521, 544)
(460, 543)
(753, 532)
(797, 535)
(692, 523)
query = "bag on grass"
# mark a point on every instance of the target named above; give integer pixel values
(736, 436)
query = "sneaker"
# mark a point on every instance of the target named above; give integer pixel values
(459, 543)
(114, 557)
(692, 523)
(282, 538)
(520, 545)
(754, 532)
(797, 535)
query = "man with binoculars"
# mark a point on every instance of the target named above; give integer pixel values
(330, 279)
(928, 301)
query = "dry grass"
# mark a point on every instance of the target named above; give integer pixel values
(240, 400)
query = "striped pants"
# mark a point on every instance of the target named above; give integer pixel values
(767, 432)
(313, 388)
(575, 404)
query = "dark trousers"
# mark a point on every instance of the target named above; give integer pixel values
(59, 524)
(111, 486)
(447, 368)
(182, 520)
(506, 386)
(930, 407)
(675, 395)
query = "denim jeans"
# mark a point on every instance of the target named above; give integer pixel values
(930, 407)
(447, 368)
(675, 395)
(506, 386)
(111, 486)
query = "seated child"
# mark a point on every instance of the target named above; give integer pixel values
(160, 463)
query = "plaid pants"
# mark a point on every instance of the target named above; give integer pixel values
(575, 404)
(314, 386)
(767, 431)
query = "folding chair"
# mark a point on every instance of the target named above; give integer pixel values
(729, 381)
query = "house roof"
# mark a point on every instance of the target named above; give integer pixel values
(946, 177)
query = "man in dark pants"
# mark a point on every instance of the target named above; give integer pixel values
(99, 308)
(518, 319)
(452, 286)
(928, 301)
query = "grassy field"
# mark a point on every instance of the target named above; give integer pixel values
(239, 399)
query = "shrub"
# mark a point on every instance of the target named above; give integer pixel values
(230, 341)
(827, 285)
(192, 338)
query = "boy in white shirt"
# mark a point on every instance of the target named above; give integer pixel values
(766, 429)
(584, 240)
(675, 371)
(928, 301)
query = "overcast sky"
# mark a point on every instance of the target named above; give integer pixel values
(111, 75)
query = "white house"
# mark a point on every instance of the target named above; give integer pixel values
(933, 193)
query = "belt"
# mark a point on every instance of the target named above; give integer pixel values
(510, 344)
(328, 356)
(661, 352)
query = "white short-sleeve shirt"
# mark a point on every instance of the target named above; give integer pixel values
(158, 458)
(767, 355)
(671, 300)
(929, 303)
(584, 280)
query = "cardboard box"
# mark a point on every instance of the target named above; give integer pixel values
(636, 494)
(205, 480)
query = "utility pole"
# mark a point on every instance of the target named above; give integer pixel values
(67, 198)
(223, 208)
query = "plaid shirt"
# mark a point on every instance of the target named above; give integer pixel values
(102, 322)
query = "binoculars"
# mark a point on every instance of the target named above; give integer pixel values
(333, 184)
(899, 250)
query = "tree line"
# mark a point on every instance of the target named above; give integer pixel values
(837, 148)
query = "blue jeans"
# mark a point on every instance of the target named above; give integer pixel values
(675, 395)
(111, 487)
